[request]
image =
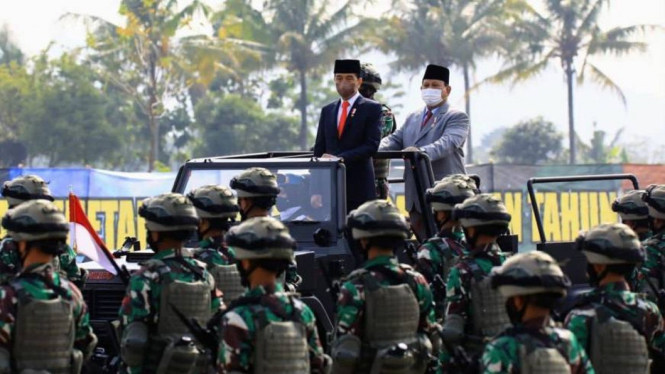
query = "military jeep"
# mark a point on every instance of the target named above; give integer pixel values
(323, 254)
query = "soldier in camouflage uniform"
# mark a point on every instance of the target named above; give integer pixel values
(619, 329)
(257, 191)
(438, 254)
(651, 275)
(371, 84)
(634, 213)
(385, 308)
(153, 337)
(44, 322)
(20, 190)
(217, 208)
(267, 330)
(532, 283)
(474, 310)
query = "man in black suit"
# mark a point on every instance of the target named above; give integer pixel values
(350, 129)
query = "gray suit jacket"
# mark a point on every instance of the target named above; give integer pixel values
(442, 139)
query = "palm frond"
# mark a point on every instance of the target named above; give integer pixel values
(602, 80)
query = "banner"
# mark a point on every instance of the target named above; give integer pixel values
(111, 199)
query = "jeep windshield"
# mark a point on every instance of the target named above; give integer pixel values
(297, 186)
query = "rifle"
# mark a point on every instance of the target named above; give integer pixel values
(460, 361)
(123, 273)
(658, 293)
(206, 336)
(438, 287)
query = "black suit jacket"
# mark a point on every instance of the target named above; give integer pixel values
(359, 141)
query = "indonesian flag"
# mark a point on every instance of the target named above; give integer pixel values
(85, 239)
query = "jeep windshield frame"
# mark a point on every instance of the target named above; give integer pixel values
(328, 171)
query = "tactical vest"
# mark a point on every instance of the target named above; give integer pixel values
(227, 279)
(392, 315)
(193, 299)
(489, 314)
(281, 346)
(44, 334)
(539, 353)
(450, 258)
(616, 346)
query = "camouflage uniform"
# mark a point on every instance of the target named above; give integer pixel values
(39, 282)
(653, 267)
(532, 345)
(615, 297)
(261, 183)
(18, 191)
(434, 252)
(262, 305)
(40, 220)
(474, 268)
(351, 300)
(10, 262)
(384, 221)
(458, 298)
(371, 84)
(239, 328)
(615, 244)
(213, 253)
(141, 307)
(502, 354)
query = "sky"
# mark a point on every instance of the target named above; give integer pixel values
(36, 23)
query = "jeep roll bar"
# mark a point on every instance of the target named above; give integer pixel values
(576, 178)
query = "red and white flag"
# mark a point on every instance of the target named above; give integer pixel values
(85, 239)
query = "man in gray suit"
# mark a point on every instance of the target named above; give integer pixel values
(438, 130)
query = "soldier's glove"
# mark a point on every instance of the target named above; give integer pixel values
(133, 344)
(453, 329)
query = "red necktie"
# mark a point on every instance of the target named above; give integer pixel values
(342, 119)
(427, 117)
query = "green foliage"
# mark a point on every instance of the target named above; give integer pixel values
(231, 124)
(9, 51)
(565, 31)
(65, 102)
(531, 142)
(599, 151)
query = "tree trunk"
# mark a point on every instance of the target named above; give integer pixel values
(571, 119)
(303, 111)
(467, 103)
(154, 142)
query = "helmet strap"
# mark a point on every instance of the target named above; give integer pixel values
(245, 273)
(594, 277)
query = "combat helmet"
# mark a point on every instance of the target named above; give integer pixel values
(631, 206)
(255, 182)
(530, 273)
(370, 75)
(654, 197)
(481, 210)
(169, 212)
(611, 243)
(261, 238)
(24, 188)
(450, 191)
(36, 220)
(377, 218)
(213, 201)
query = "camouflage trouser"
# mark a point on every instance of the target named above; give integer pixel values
(382, 188)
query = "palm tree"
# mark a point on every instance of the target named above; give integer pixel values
(455, 33)
(567, 30)
(307, 36)
(146, 60)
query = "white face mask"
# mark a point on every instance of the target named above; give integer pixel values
(431, 96)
